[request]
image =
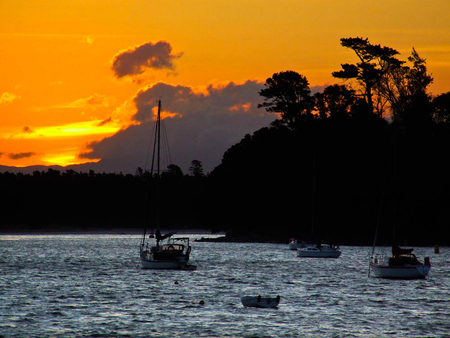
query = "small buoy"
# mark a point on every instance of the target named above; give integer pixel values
(176, 282)
(201, 302)
(436, 249)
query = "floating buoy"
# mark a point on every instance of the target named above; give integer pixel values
(201, 302)
(436, 249)
(176, 282)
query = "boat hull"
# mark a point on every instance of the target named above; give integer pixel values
(157, 264)
(260, 302)
(293, 246)
(400, 272)
(305, 252)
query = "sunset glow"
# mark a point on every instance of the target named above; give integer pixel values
(77, 72)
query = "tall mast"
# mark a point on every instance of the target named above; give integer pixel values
(158, 132)
(156, 150)
(313, 196)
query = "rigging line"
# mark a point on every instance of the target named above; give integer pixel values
(383, 190)
(148, 199)
(149, 147)
(313, 196)
(166, 144)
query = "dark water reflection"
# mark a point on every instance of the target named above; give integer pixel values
(91, 285)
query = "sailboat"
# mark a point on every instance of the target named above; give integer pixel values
(168, 252)
(319, 250)
(403, 264)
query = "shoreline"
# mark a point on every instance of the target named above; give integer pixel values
(115, 231)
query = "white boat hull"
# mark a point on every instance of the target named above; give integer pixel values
(400, 272)
(318, 253)
(261, 302)
(293, 246)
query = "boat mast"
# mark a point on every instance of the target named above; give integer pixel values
(156, 150)
(158, 133)
(383, 192)
(313, 196)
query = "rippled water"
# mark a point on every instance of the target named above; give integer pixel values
(92, 285)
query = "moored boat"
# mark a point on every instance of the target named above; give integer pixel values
(400, 266)
(260, 302)
(168, 253)
(319, 251)
(174, 254)
(293, 244)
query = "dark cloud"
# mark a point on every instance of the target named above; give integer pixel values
(27, 130)
(18, 156)
(203, 125)
(137, 60)
(105, 121)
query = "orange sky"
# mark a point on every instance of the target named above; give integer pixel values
(59, 92)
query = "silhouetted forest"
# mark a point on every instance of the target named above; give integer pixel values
(372, 150)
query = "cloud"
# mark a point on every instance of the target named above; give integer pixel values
(201, 125)
(6, 98)
(76, 129)
(27, 130)
(93, 101)
(18, 156)
(138, 59)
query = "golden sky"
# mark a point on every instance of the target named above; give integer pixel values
(65, 82)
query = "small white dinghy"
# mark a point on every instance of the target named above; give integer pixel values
(258, 301)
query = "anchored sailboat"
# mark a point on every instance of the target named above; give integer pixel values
(316, 250)
(403, 264)
(168, 252)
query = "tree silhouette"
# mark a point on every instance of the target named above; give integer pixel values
(288, 94)
(336, 101)
(196, 168)
(441, 108)
(375, 62)
(174, 170)
(405, 88)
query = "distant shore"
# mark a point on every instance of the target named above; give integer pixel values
(113, 231)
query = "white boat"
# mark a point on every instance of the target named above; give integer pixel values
(316, 250)
(319, 251)
(400, 266)
(261, 302)
(293, 245)
(167, 252)
(173, 254)
(403, 264)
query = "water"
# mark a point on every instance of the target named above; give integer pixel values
(92, 286)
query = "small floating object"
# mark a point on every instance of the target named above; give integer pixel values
(176, 282)
(436, 249)
(261, 302)
(202, 302)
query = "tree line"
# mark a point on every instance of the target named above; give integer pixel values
(55, 200)
(370, 150)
